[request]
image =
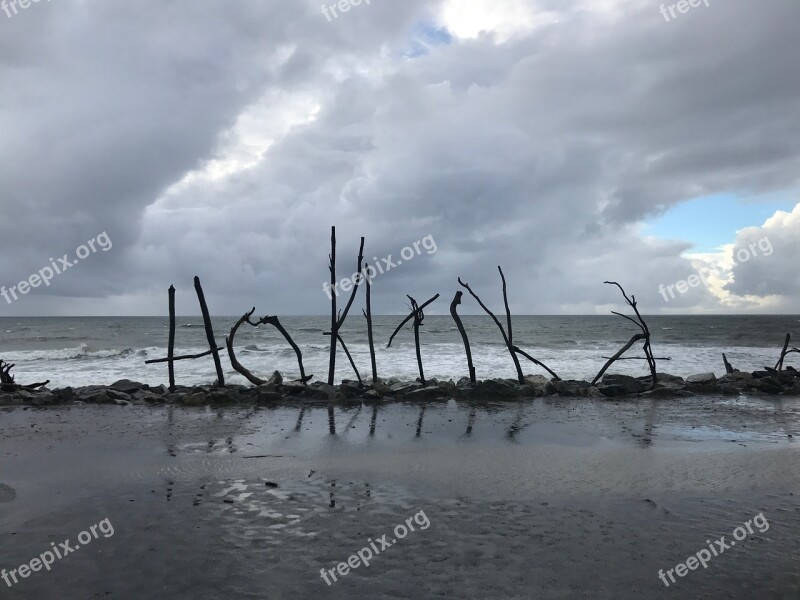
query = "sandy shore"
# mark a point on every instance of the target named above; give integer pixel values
(550, 498)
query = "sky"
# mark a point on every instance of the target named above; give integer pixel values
(568, 141)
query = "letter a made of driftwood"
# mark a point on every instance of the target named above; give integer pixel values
(643, 336)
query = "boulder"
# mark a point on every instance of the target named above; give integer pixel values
(498, 388)
(615, 386)
(571, 388)
(127, 386)
(702, 379)
(402, 388)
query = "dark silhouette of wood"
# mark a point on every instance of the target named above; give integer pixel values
(212, 344)
(337, 320)
(728, 366)
(368, 315)
(350, 358)
(334, 316)
(183, 357)
(537, 362)
(171, 342)
(454, 313)
(785, 352)
(275, 322)
(418, 314)
(508, 336)
(268, 320)
(239, 367)
(644, 336)
(7, 382)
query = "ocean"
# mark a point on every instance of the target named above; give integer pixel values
(100, 350)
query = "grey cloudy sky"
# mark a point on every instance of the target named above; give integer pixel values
(223, 138)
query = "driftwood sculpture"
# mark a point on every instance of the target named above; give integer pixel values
(214, 349)
(508, 337)
(785, 352)
(368, 315)
(454, 313)
(338, 318)
(7, 383)
(643, 336)
(418, 314)
(246, 318)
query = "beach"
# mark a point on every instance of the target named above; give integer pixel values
(544, 498)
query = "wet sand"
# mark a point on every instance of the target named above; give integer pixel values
(550, 498)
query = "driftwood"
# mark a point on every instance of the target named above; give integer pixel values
(644, 336)
(183, 357)
(212, 344)
(338, 318)
(232, 355)
(454, 313)
(508, 337)
(7, 383)
(785, 352)
(368, 315)
(728, 366)
(417, 313)
(171, 343)
(349, 357)
(275, 322)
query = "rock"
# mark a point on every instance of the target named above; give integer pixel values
(195, 398)
(702, 379)
(350, 389)
(223, 396)
(291, 388)
(539, 381)
(265, 397)
(65, 394)
(737, 376)
(427, 393)
(44, 399)
(148, 396)
(127, 386)
(116, 395)
(615, 386)
(372, 396)
(276, 378)
(571, 387)
(499, 388)
(401, 388)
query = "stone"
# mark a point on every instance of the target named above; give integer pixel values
(498, 388)
(401, 388)
(615, 386)
(127, 386)
(702, 379)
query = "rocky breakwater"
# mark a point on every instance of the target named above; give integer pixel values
(277, 390)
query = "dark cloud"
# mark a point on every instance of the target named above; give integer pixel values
(542, 151)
